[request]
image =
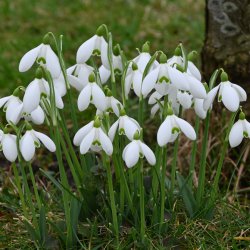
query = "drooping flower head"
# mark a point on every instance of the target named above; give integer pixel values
(44, 56)
(137, 149)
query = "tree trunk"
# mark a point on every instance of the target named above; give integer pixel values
(227, 43)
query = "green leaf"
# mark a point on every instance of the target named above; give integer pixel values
(42, 225)
(187, 195)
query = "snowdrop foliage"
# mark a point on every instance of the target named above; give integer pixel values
(104, 77)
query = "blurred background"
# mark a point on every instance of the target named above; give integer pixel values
(164, 23)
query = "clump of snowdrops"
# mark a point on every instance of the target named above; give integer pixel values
(113, 140)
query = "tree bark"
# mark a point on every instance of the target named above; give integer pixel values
(227, 42)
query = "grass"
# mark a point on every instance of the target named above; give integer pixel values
(164, 24)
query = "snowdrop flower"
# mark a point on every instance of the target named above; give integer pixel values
(125, 125)
(133, 79)
(199, 109)
(116, 58)
(191, 68)
(91, 136)
(44, 55)
(91, 93)
(229, 93)
(135, 150)
(171, 127)
(143, 58)
(78, 75)
(13, 107)
(154, 100)
(8, 145)
(31, 140)
(33, 94)
(186, 82)
(112, 104)
(239, 130)
(184, 98)
(94, 45)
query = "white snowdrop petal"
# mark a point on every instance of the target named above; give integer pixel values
(3, 100)
(210, 98)
(114, 105)
(230, 98)
(128, 83)
(76, 82)
(197, 89)
(148, 153)
(142, 61)
(155, 96)
(84, 98)
(46, 141)
(131, 155)
(28, 59)
(99, 99)
(186, 128)
(60, 85)
(149, 82)
(31, 97)
(178, 79)
(194, 70)
(9, 147)
(52, 62)
(198, 107)
(104, 55)
(59, 101)
(113, 130)
(241, 92)
(37, 116)
(130, 127)
(14, 112)
(87, 141)
(104, 74)
(137, 82)
(154, 110)
(236, 134)
(184, 99)
(164, 132)
(246, 127)
(82, 132)
(105, 142)
(27, 146)
(85, 50)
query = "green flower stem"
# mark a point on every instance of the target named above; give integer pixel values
(71, 165)
(140, 112)
(38, 200)
(65, 183)
(28, 194)
(142, 201)
(72, 151)
(193, 154)
(110, 59)
(221, 161)
(19, 188)
(106, 162)
(156, 172)
(202, 170)
(162, 184)
(173, 171)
